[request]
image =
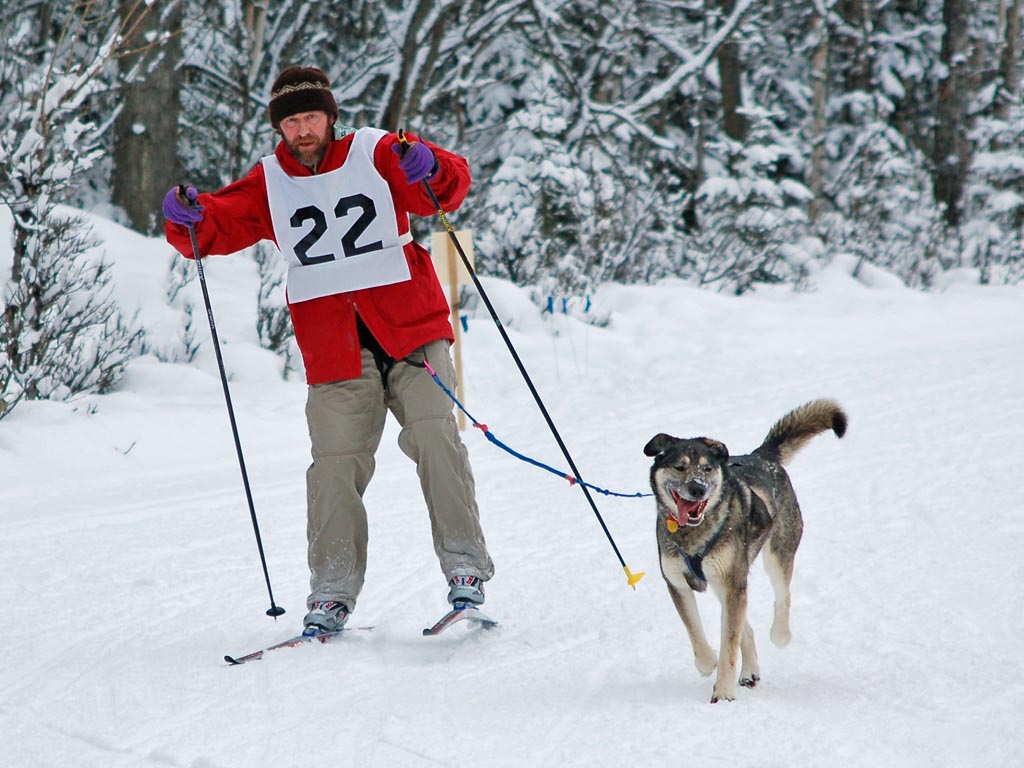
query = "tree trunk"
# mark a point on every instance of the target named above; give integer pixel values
(951, 153)
(819, 84)
(1009, 59)
(730, 71)
(858, 47)
(403, 101)
(256, 23)
(146, 130)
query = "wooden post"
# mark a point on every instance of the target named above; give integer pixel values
(453, 273)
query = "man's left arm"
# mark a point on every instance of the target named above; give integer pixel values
(450, 183)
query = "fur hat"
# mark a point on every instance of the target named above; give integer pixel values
(301, 89)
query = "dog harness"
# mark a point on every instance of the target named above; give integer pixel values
(695, 562)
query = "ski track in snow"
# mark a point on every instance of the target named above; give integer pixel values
(129, 572)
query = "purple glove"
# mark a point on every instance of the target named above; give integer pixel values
(418, 162)
(176, 210)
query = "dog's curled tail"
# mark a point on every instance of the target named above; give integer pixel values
(796, 428)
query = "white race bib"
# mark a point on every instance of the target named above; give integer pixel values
(337, 230)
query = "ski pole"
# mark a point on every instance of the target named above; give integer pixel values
(274, 610)
(631, 578)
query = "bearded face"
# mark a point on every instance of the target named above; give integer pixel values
(306, 136)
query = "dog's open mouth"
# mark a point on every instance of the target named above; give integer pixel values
(688, 512)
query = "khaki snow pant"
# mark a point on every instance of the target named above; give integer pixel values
(346, 421)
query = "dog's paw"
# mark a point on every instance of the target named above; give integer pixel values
(780, 635)
(722, 696)
(750, 682)
(706, 664)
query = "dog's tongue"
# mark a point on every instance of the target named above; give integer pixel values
(688, 510)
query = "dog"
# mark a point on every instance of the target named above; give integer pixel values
(715, 513)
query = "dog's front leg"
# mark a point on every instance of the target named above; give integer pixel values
(734, 617)
(686, 606)
(750, 672)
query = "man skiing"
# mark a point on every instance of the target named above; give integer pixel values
(368, 311)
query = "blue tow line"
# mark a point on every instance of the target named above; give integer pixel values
(490, 436)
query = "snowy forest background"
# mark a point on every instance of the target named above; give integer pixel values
(730, 143)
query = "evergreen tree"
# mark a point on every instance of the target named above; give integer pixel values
(60, 332)
(880, 193)
(993, 228)
(532, 207)
(755, 229)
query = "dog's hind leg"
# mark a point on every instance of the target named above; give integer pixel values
(780, 573)
(750, 672)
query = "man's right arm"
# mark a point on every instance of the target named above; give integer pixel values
(234, 218)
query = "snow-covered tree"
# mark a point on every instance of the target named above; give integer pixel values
(273, 321)
(993, 206)
(879, 192)
(532, 207)
(754, 228)
(993, 227)
(60, 332)
(615, 140)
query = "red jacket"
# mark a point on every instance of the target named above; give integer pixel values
(401, 316)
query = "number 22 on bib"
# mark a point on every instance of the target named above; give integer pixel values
(337, 230)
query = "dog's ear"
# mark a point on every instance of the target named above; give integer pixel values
(659, 443)
(718, 449)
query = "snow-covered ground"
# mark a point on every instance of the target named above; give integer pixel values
(129, 566)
